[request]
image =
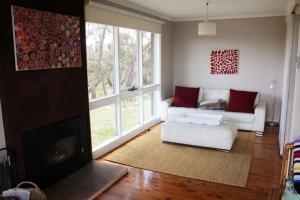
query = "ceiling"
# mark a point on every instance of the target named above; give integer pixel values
(181, 10)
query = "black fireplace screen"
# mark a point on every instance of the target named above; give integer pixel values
(61, 150)
(55, 151)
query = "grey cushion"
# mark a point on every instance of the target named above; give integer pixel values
(219, 104)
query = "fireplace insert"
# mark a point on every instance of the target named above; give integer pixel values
(55, 151)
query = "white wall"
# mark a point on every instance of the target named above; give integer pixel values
(260, 41)
(2, 139)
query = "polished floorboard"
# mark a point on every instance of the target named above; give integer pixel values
(141, 184)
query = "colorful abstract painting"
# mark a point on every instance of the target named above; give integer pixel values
(45, 40)
(224, 61)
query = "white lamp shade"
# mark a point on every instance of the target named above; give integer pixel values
(207, 29)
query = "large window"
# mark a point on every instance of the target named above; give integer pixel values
(149, 108)
(128, 51)
(148, 39)
(129, 114)
(100, 51)
(103, 124)
(123, 80)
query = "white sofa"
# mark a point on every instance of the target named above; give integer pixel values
(245, 121)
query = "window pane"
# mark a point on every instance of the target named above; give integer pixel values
(103, 124)
(129, 113)
(148, 106)
(147, 58)
(100, 43)
(128, 58)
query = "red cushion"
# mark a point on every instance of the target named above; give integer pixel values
(241, 101)
(297, 154)
(186, 97)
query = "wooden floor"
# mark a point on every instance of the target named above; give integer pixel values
(264, 173)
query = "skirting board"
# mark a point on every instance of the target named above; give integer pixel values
(86, 183)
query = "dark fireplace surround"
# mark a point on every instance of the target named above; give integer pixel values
(55, 151)
(45, 109)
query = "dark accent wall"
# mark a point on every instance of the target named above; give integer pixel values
(33, 99)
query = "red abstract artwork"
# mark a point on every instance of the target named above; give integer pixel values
(224, 61)
(45, 40)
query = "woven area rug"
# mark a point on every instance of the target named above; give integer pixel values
(148, 152)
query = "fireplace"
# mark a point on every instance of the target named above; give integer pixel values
(55, 151)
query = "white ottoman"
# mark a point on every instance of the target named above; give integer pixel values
(219, 137)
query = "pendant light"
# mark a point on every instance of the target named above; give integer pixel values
(207, 28)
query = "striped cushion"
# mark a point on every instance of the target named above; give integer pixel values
(296, 168)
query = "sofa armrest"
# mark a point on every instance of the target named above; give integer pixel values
(165, 104)
(260, 117)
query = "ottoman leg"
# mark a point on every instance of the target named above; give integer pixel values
(259, 134)
(226, 151)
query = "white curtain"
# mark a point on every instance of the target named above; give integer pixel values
(292, 36)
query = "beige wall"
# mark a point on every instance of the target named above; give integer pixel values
(260, 42)
(167, 61)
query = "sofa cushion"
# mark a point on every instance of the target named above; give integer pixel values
(246, 118)
(218, 104)
(240, 117)
(241, 101)
(185, 97)
(211, 94)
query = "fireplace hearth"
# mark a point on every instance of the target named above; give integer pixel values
(55, 151)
